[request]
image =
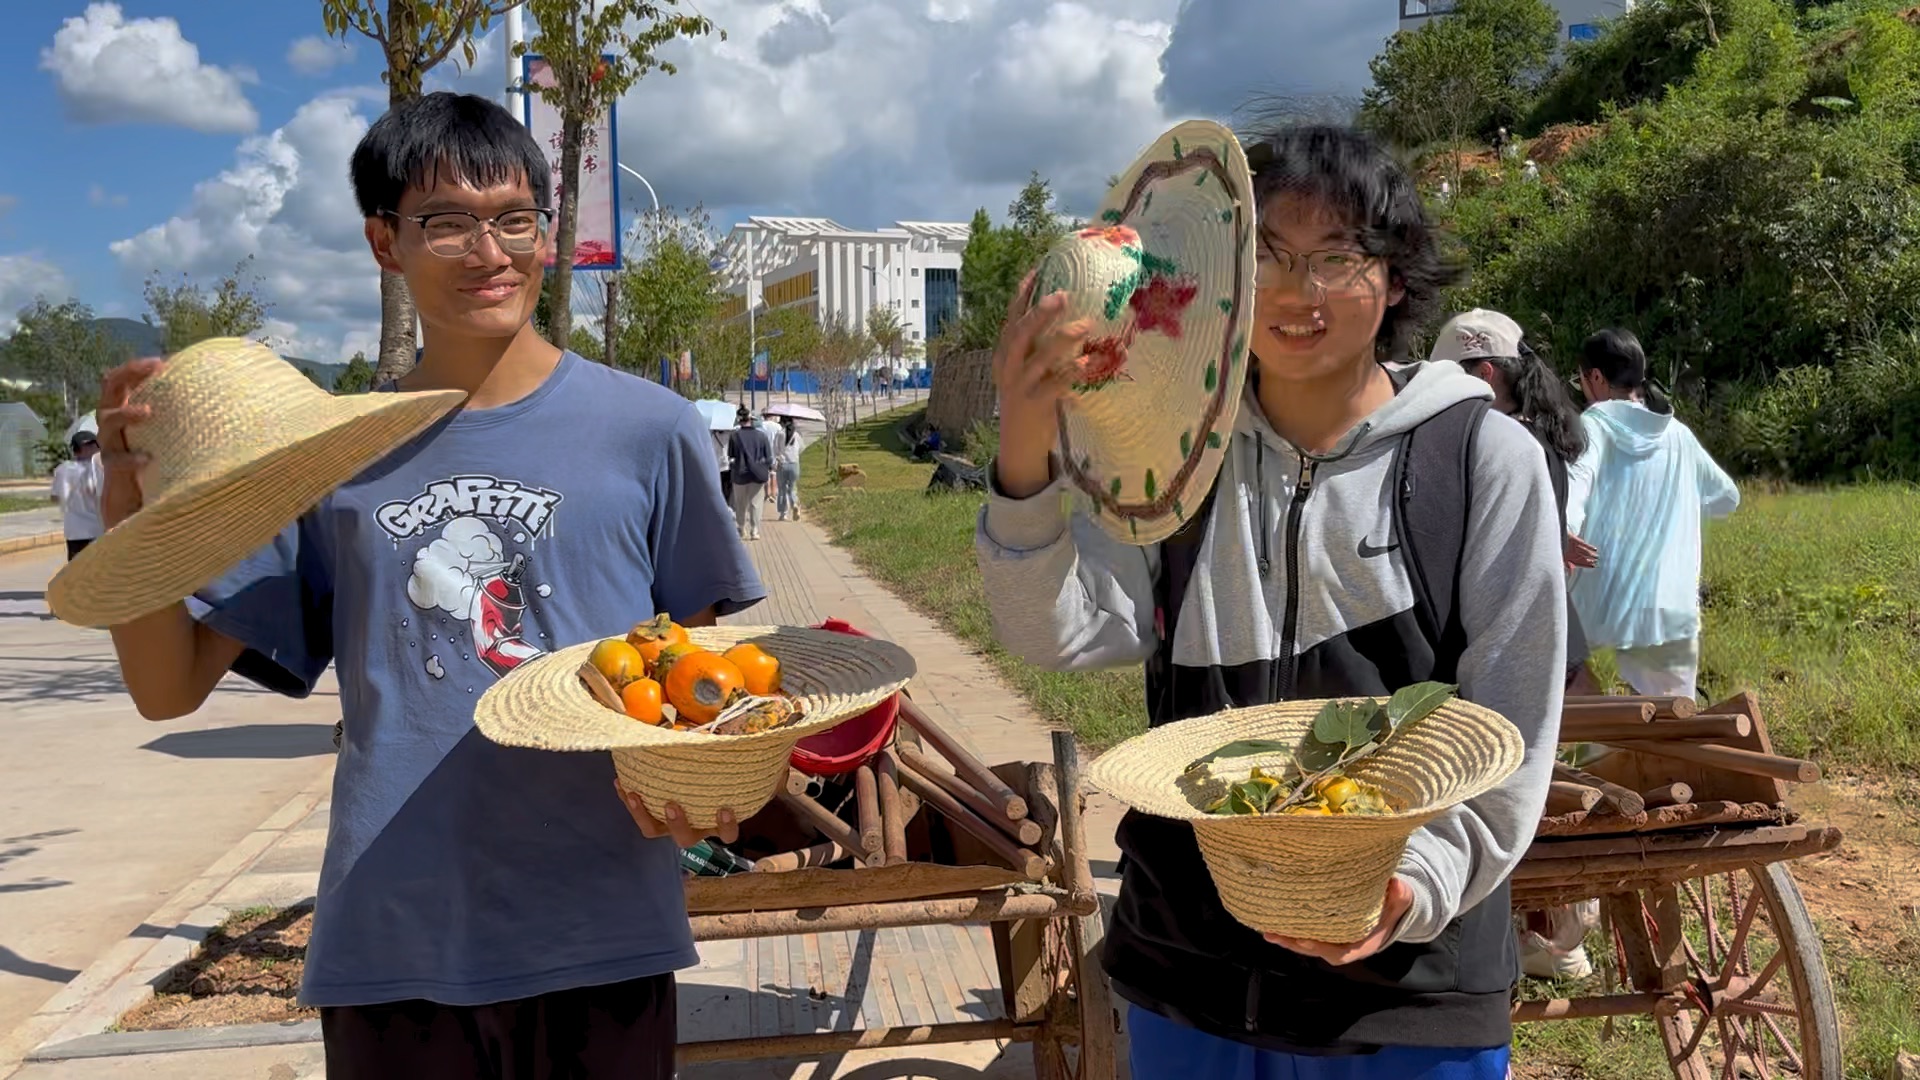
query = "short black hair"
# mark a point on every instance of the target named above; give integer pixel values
(1354, 176)
(443, 135)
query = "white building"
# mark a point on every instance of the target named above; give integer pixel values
(1579, 19)
(841, 274)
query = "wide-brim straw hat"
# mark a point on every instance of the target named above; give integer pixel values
(240, 444)
(1165, 272)
(1317, 878)
(544, 704)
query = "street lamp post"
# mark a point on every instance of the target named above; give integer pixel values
(650, 194)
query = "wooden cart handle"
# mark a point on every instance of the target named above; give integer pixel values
(1003, 797)
(1733, 759)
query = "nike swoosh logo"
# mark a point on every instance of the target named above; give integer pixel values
(1368, 551)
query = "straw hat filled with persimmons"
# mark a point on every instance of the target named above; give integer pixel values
(704, 717)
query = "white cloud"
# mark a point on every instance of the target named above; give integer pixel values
(316, 55)
(285, 201)
(24, 278)
(110, 69)
(1223, 52)
(100, 196)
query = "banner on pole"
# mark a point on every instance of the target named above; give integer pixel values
(596, 243)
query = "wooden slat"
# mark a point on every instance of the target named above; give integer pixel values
(1729, 759)
(818, 888)
(1684, 816)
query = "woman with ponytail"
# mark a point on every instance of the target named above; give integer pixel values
(1640, 492)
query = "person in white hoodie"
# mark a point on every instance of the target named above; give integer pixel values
(76, 487)
(1640, 494)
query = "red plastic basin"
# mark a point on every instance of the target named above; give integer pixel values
(850, 744)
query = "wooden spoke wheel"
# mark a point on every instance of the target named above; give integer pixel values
(1082, 1048)
(1757, 999)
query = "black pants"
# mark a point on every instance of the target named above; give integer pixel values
(74, 547)
(624, 1031)
(726, 487)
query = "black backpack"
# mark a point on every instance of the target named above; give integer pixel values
(1433, 472)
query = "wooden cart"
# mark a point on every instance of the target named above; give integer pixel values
(1045, 924)
(1706, 932)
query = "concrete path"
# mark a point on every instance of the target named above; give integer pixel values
(763, 986)
(103, 815)
(23, 528)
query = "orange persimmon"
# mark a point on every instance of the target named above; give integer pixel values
(620, 662)
(762, 672)
(699, 684)
(641, 700)
(654, 635)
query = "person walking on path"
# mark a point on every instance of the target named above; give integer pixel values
(1279, 594)
(1491, 347)
(76, 487)
(788, 462)
(752, 454)
(1640, 494)
(770, 427)
(478, 903)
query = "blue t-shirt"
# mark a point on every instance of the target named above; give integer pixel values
(458, 870)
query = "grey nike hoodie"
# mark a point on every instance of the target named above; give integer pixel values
(1065, 596)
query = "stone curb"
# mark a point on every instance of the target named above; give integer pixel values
(29, 543)
(124, 978)
(180, 1040)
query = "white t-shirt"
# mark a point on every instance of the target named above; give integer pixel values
(790, 448)
(76, 487)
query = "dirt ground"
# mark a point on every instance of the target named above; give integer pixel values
(247, 972)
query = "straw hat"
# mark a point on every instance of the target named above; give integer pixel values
(543, 704)
(1165, 273)
(1318, 878)
(240, 443)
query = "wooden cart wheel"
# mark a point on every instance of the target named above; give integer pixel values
(1759, 1002)
(1084, 1047)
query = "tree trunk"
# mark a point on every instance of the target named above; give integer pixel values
(613, 296)
(560, 315)
(398, 343)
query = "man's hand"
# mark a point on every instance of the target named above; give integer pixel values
(675, 825)
(120, 465)
(1399, 899)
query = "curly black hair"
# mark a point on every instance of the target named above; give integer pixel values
(1353, 175)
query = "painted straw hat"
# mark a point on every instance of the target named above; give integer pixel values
(1166, 275)
(1318, 878)
(240, 444)
(544, 704)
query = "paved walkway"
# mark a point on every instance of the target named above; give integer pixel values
(22, 527)
(756, 987)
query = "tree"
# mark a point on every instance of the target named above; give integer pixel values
(720, 354)
(1461, 75)
(357, 378)
(889, 338)
(597, 50)
(414, 36)
(832, 363)
(670, 294)
(789, 335)
(587, 344)
(997, 257)
(186, 313)
(61, 349)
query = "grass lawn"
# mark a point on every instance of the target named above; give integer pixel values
(1812, 599)
(11, 503)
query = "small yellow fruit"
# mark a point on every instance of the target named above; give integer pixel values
(618, 661)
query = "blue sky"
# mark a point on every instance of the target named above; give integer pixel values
(179, 135)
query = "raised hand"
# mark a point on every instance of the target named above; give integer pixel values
(119, 463)
(1033, 365)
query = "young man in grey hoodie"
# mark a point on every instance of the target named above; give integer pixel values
(1296, 582)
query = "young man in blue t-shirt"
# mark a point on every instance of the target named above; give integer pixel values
(483, 911)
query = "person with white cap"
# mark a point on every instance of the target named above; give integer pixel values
(76, 487)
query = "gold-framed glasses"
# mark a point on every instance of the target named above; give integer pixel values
(453, 233)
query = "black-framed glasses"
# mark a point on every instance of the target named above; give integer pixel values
(453, 233)
(1334, 268)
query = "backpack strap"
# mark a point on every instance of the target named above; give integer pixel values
(1434, 497)
(1178, 554)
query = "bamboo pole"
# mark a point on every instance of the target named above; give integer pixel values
(893, 817)
(1733, 759)
(1619, 711)
(977, 774)
(1700, 727)
(1667, 795)
(803, 859)
(866, 798)
(1622, 801)
(1025, 832)
(1029, 863)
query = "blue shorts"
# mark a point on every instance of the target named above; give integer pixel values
(1163, 1050)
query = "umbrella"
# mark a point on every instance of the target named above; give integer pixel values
(798, 412)
(718, 414)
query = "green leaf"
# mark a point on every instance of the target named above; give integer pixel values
(1242, 748)
(1179, 511)
(1111, 217)
(1213, 440)
(1226, 215)
(1200, 180)
(1186, 443)
(1213, 376)
(1349, 723)
(1413, 703)
(1151, 485)
(1226, 305)
(1177, 152)
(1315, 756)
(1115, 487)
